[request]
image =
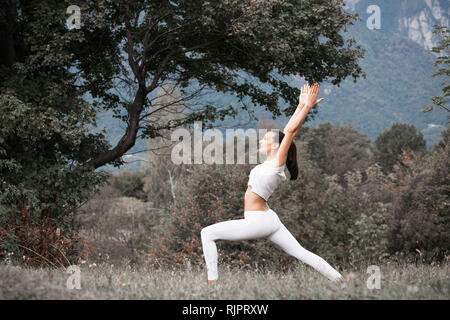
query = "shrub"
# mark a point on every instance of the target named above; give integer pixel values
(338, 149)
(369, 237)
(359, 221)
(421, 215)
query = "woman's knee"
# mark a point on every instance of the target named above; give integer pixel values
(205, 233)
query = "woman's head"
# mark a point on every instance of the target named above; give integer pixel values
(269, 145)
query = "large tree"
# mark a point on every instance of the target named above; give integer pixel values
(338, 149)
(54, 80)
(134, 47)
(390, 144)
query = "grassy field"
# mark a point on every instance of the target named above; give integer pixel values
(108, 281)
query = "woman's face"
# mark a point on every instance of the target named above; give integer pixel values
(267, 145)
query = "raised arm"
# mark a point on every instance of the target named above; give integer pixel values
(308, 98)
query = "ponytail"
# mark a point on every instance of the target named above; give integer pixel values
(291, 161)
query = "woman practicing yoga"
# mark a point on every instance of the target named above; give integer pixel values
(260, 221)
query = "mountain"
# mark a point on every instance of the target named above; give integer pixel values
(399, 69)
(410, 18)
(399, 83)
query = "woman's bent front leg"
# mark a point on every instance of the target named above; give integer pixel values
(232, 230)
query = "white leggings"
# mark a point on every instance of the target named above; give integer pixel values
(259, 224)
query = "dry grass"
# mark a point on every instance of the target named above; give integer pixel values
(108, 281)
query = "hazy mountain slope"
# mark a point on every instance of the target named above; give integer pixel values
(399, 69)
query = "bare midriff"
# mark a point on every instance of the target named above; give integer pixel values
(253, 202)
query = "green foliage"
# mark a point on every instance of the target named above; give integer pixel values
(137, 47)
(443, 49)
(322, 228)
(391, 143)
(369, 237)
(43, 180)
(44, 138)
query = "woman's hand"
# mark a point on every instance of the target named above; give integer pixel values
(308, 98)
(308, 95)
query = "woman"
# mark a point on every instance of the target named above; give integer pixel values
(261, 221)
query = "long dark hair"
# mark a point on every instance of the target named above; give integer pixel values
(291, 162)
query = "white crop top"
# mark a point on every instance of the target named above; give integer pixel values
(265, 178)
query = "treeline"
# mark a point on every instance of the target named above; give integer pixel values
(354, 202)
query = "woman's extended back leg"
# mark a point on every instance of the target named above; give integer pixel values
(283, 238)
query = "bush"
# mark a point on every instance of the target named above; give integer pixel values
(320, 212)
(38, 232)
(369, 237)
(421, 215)
(338, 149)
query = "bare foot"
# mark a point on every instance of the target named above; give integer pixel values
(211, 281)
